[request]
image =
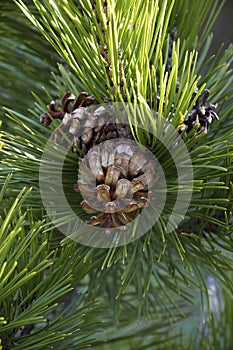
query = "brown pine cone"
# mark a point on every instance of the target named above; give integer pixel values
(115, 178)
(201, 115)
(85, 124)
(83, 100)
(115, 175)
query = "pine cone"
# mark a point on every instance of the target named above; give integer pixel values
(114, 174)
(95, 124)
(83, 100)
(115, 178)
(201, 115)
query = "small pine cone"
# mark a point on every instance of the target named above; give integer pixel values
(86, 127)
(201, 115)
(115, 178)
(83, 100)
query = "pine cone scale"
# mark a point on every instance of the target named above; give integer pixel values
(103, 193)
(112, 175)
(122, 188)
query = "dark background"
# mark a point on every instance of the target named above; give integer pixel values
(223, 27)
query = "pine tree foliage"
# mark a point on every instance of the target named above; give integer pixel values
(33, 280)
(31, 56)
(142, 52)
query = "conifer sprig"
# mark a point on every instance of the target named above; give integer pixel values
(142, 52)
(174, 105)
(33, 282)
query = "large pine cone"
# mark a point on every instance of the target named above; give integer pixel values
(115, 178)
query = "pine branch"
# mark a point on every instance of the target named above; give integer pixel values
(33, 282)
(141, 53)
(22, 58)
